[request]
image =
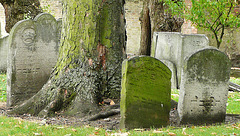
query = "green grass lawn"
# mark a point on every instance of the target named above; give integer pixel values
(3, 88)
(18, 127)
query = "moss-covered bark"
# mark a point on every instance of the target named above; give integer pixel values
(89, 64)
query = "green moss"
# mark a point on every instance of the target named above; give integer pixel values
(146, 92)
(105, 26)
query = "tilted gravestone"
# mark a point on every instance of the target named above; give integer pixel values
(33, 52)
(174, 47)
(146, 93)
(3, 53)
(204, 87)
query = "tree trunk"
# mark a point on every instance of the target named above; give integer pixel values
(16, 10)
(160, 21)
(89, 64)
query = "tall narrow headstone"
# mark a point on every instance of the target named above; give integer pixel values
(33, 52)
(146, 93)
(204, 87)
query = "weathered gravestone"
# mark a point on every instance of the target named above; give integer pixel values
(173, 69)
(33, 52)
(204, 87)
(3, 53)
(146, 93)
(174, 47)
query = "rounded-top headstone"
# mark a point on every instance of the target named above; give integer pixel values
(146, 93)
(33, 52)
(204, 87)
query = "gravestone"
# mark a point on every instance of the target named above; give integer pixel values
(174, 47)
(145, 94)
(167, 46)
(173, 69)
(33, 53)
(204, 87)
(3, 53)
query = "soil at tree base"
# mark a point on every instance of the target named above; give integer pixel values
(110, 123)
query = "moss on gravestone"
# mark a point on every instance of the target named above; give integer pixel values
(146, 93)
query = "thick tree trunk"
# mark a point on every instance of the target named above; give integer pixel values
(155, 19)
(16, 10)
(89, 65)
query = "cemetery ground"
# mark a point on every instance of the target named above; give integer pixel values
(29, 125)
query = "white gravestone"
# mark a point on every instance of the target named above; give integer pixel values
(174, 47)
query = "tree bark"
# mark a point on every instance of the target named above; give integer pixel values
(16, 10)
(156, 19)
(89, 64)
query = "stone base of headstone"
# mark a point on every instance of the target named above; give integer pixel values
(146, 93)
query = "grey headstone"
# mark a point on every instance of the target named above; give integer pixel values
(173, 69)
(174, 46)
(146, 93)
(3, 53)
(33, 53)
(204, 87)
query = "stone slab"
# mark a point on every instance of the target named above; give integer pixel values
(33, 52)
(145, 94)
(204, 87)
(173, 69)
(3, 53)
(174, 47)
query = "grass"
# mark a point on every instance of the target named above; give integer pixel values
(18, 127)
(235, 80)
(3, 87)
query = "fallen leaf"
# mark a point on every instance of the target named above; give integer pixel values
(74, 130)
(171, 134)
(112, 102)
(37, 134)
(120, 134)
(155, 131)
(17, 126)
(183, 132)
(139, 130)
(60, 127)
(68, 135)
